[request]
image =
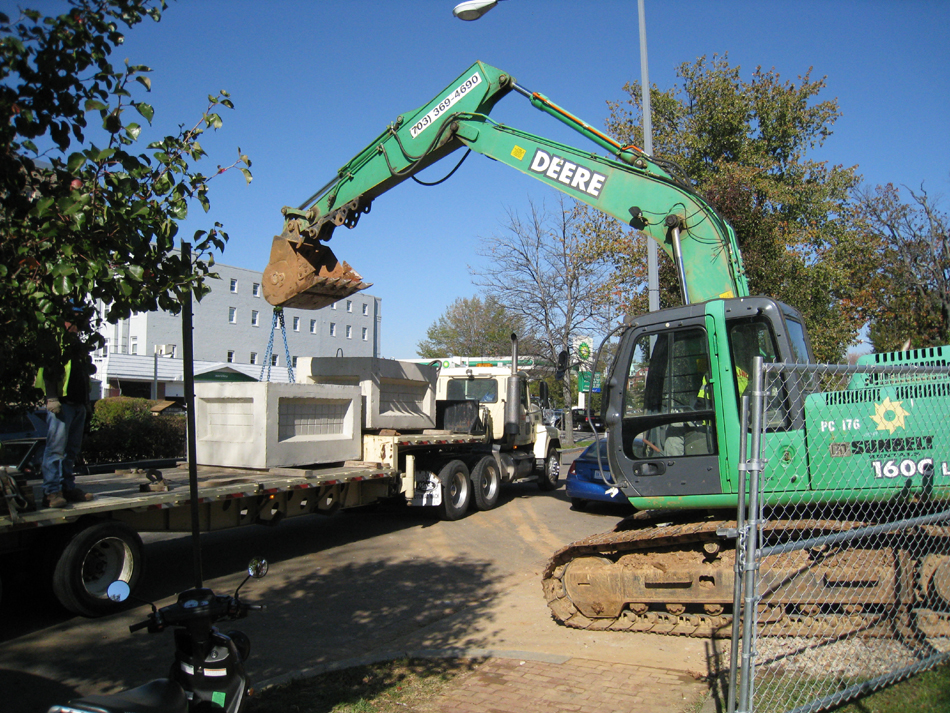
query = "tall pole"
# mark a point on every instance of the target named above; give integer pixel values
(653, 281)
(188, 367)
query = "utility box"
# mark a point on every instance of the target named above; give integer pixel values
(396, 394)
(266, 425)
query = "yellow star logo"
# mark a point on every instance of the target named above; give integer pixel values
(889, 415)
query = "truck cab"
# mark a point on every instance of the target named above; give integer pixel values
(518, 433)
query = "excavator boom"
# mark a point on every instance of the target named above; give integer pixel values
(630, 186)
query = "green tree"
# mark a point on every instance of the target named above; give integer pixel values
(746, 145)
(538, 268)
(86, 213)
(909, 297)
(472, 327)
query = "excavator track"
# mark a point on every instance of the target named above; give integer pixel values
(678, 579)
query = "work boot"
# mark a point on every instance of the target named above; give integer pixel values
(75, 495)
(54, 500)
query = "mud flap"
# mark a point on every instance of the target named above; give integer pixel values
(428, 490)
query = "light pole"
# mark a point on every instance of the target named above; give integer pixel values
(474, 9)
(653, 280)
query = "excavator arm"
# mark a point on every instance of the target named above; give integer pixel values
(630, 186)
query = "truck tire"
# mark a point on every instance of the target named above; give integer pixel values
(486, 483)
(547, 480)
(92, 559)
(456, 490)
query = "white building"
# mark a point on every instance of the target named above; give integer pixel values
(232, 330)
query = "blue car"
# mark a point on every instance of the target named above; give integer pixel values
(585, 483)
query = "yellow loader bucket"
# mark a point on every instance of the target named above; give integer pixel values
(307, 276)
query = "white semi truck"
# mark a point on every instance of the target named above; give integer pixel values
(356, 432)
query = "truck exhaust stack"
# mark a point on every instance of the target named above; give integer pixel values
(307, 276)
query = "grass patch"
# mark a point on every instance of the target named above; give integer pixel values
(927, 692)
(385, 687)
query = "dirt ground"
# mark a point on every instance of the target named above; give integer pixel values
(347, 587)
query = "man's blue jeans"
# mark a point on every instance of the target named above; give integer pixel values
(63, 441)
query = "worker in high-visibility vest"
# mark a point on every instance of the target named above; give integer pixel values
(64, 381)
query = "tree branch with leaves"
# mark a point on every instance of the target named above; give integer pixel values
(87, 216)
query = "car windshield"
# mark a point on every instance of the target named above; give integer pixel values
(591, 451)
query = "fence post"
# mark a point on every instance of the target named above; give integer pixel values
(740, 552)
(750, 566)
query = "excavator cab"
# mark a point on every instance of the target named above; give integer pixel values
(673, 399)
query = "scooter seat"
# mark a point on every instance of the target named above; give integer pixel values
(159, 696)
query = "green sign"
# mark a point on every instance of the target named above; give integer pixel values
(583, 381)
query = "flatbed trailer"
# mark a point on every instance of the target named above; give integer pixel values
(84, 547)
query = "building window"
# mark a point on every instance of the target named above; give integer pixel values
(365, 308)
(333, 306)
(255, 317)
(332, 329)
(230, 356)
(253, 357)
(349, 305)
(313, 326)
(134, 349)
(234, 285)
(296, 324)
(232, 315)
(365, 333)
(349, 331)
(273, 360)
(256, 289)
(293, 362)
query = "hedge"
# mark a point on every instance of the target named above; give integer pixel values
(125, 429)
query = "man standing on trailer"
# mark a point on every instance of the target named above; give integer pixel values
(65, 383)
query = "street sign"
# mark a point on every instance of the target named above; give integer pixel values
(583, 381)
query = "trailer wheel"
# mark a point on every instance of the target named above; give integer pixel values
(456, 490)
(547, 480)
(94, 558)
(486, 483)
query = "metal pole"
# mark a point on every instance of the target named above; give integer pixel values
(188, 366)
(653, 281)
(741, 551)
(750, 607)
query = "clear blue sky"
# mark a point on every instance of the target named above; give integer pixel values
(315, 81)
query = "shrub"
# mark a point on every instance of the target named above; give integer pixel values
(125, 429)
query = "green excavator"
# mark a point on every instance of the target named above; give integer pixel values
(672, 400)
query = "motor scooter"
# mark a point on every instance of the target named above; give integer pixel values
(208, 673)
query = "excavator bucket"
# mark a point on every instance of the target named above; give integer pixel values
(307, 276)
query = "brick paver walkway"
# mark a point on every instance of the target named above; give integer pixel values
(501, 685)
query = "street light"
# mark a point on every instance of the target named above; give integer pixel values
(473, 9)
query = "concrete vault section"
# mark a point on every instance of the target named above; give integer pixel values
(396, 394)
(267, 425)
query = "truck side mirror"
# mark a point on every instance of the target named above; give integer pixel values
(562, 365)
(544, 394)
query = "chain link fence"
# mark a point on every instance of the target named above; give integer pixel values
(843, 576)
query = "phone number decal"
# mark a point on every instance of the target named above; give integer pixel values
(444, 105)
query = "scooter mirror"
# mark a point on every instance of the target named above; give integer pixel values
(119, 591)
(257, 567)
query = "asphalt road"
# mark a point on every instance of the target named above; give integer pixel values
(339, 587)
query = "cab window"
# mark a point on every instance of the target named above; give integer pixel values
(482, 390)
(668, 409)
(747, 340)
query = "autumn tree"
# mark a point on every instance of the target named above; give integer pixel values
(472, 326)
(87, 214)
(910, 295)
(746, 145)
(538, 268)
